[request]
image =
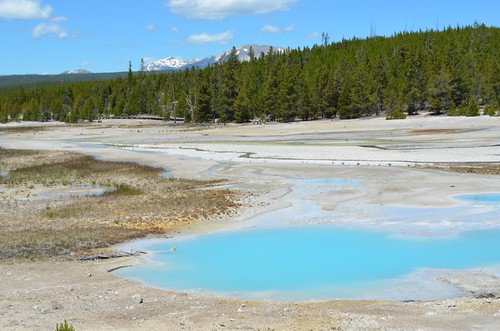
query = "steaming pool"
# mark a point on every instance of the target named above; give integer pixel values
(303, 252)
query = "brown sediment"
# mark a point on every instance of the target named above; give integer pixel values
(469, 168)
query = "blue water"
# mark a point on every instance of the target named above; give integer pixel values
(318, 262)
(73, 191)
(290, 262)
(487, 198)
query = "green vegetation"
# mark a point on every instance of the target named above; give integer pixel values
(466, 108)
(397, 115)
(491, 111)
(124, 189)
(64, 327)
(455, 70)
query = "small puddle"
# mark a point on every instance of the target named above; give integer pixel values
(72, 191)
(166, 175)
(486, 198)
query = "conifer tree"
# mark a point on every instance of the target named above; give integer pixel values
(204, 94)
(228, 88)
(130, 75)
(242, 103)
(439, 92)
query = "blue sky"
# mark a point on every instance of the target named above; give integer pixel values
(51, 36)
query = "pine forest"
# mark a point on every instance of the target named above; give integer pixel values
(455, 71)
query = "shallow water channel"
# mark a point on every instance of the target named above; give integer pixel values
(355, 251)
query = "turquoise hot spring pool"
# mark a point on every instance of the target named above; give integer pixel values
(321, 261)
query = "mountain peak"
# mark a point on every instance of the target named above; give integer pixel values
(76, 72)
(169, 63)
(174, 63)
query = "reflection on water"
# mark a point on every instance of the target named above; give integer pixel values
(303, 252)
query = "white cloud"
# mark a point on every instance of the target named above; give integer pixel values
(313, 35)
(205, 38)
(59, 19)
(174, 29)
(23, 10)
(277, 29)
(150, 27)
(220, 9)
(49, 29)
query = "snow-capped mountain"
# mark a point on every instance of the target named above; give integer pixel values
(73, 72)
(170, 63)
(243, 53)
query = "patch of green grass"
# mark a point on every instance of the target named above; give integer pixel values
(23, 129)
(71, 211)
(123, 189)
(64, 327)
(43, 243)
(8, 153)
(73, 170)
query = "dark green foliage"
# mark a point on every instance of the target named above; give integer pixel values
(453, 71)
(490, 110)
(467, 108)
(396, 115)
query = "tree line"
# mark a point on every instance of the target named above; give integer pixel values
(452, 71)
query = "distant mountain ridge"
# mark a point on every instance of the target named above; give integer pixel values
(168, 64)
(76, 72)
(243, 53)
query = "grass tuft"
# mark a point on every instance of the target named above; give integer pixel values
(123, 189)
(64, 327)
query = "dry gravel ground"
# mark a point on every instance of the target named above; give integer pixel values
(35, 295)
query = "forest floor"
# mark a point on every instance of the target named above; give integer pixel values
(222, 175)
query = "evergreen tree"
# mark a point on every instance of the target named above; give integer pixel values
(345, 109)
(270, 102)
(204, 94)
(3, 115)
(304, 109)
(130, 75)
(67, 103)
(440, 93)
(227, 88)
(242, 104)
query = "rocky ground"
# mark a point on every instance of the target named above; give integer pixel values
(36, 296)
